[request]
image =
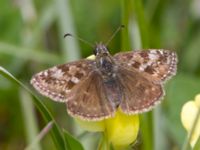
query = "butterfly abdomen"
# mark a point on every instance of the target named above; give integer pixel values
(113, 92)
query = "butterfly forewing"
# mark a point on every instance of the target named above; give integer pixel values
(57, 82)
(89, 101)
(159, 64)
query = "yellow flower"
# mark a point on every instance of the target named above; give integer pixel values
(188, 115)
(91, 57)
(121, 130)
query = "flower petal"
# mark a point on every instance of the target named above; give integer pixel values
(122, 130)
(91, 57)
(188, 115)
(197, 100)
(92, 126)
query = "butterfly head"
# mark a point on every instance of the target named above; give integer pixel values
(101, 50)
(104, 61)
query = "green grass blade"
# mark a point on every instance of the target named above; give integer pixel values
(70, 48)
(29, 117)
(39, 137)
(147, 131)
(197, 145)
(55, 132)
(126, 9)
(27, 53)
(142, 23)
(71, 143)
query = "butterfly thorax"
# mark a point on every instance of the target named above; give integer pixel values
(104, 62)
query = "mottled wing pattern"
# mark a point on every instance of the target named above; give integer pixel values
(159, 64)
(140, 93)
(89, 101)
(57, 82)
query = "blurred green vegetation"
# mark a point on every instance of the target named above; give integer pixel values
(31, 39)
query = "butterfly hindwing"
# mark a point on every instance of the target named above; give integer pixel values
(139, 92)
(89, 100)
(57, 82)
(159, 64)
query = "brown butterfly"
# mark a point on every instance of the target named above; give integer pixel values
(95, 89)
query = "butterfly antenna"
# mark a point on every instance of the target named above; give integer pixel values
(80, 39)
(113, 35)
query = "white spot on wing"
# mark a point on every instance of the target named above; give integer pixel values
(153, 56)
(144, 66)
(74, 79)
(45, 73)
(58, 74)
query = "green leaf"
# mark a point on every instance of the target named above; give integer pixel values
(27, 53)
(55, 132)
(71, 143)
